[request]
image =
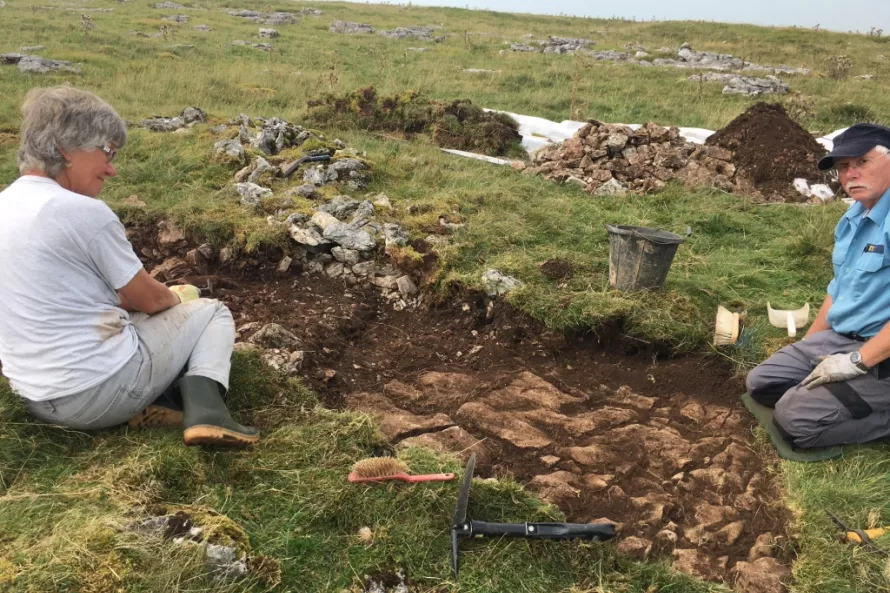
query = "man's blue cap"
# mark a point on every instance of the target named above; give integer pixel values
(855, 141)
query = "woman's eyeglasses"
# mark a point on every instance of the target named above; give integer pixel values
(109, 152)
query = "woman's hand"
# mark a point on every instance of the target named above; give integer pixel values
(186, 292)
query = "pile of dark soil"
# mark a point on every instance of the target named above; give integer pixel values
(457, 124)
(770, 150)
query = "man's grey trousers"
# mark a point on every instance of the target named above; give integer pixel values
(854, 411)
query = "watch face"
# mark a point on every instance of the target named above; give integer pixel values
(855, 357)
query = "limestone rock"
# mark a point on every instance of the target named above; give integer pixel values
(340, 207)
(496, 283)
(38, 65)
(394, 234)
(591, 455)
(308, 236)
(231, 149)
(406, 286)
(223, 564)
(273, 335)
(346, 256)
(504, 426)
(170, 269)
(634, 547)
(558, 488)
(197, 261)
(762, 548)
(764, 575)
(350, 28)
(349, 237)
(452, 440)
(170, 237)
(307, 190)
(251, 193)
(394, 422)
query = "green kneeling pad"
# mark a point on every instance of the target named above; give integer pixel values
(786, 450)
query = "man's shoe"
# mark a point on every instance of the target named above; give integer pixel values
(157, 417)
(207, 420)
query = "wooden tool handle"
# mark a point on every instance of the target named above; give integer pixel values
(429, 478)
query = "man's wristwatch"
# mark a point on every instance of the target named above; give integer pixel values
(856, 359)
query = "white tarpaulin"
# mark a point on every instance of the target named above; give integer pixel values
(538, 132)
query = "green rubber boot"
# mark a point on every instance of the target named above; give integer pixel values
(207, 420)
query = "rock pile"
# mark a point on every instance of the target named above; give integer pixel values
(564, 45)
(683, 57)
(414, 32)
(422, 33)
(762, 154)
(350, 28)
(554, 45)
(612, 159)
(262, 46)
(267, 18)
(748, 86)
(36, 64)
(189, 117)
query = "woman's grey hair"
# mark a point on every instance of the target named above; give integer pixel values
(66, 118)
(882, 149)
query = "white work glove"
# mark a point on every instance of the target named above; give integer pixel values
(831, 369)
(186, 292)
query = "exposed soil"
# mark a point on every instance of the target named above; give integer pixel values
(771, 150)
(557, 269)
(601, 426)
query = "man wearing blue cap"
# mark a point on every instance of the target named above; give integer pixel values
(833, 386)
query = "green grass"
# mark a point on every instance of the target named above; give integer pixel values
(65, 495)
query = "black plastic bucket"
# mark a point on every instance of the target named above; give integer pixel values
(640, 257)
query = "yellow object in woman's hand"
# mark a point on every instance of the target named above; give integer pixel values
(186, 292)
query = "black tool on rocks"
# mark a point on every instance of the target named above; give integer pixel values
(312, 158)
(463, 528)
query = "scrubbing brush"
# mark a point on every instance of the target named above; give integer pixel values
(726, 327)
(379, 469)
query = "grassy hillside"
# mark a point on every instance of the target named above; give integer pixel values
(67, 499)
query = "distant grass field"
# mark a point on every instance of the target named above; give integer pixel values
(63, 496)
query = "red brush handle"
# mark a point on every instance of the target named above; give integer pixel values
(427, 477)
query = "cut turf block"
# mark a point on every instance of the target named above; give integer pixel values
(786, 450)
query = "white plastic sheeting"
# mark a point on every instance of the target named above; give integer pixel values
(538, 132)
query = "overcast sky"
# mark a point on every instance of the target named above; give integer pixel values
(838, 15)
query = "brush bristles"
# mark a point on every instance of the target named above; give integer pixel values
(726, 330)
(378, 467)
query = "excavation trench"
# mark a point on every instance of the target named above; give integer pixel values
(601, 427)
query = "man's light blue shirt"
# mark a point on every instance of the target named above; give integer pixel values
(860, 290)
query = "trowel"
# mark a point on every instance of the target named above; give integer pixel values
(790, 319)
(463, 528)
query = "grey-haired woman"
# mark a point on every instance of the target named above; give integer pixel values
(87, 337)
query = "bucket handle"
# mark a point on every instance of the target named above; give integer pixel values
(634, 233)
